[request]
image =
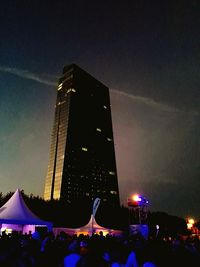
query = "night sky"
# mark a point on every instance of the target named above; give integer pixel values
(146, 52)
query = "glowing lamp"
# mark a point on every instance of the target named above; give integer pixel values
(8, 231)
(137, 201)
(189, 225)
(191, 221)
(136, 198)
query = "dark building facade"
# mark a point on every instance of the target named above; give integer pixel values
(82, 161)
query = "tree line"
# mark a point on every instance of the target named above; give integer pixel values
(64, 214)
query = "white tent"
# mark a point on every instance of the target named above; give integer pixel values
(92, 227)
(16, 215)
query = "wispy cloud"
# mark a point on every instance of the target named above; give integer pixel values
(47, 79)
(151, 102)
(29, 75)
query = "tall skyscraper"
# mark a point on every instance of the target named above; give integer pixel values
(82, 161)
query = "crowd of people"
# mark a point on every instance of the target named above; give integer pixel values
(63, 250)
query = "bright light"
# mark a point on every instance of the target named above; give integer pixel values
(8, 231)
(191, 221)
(189, 225)
(136, 198)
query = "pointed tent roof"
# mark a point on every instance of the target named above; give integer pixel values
(15, 211)
(91, 227)
(93, 224)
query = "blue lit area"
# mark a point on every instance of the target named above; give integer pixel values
(137, 200)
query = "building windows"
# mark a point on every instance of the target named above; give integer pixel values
(113, 192)
(60, 103)
(58, 174)
(60, 86)
(72, 172)
(71, 90)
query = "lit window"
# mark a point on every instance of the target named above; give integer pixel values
(60, 86)
(60, 103)
(98, 129)
(113, 192)
(84, 149)
(71, 90)
(58, 174)
(109, 139)
(112, 173)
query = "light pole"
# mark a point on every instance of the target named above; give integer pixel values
(137, 205)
